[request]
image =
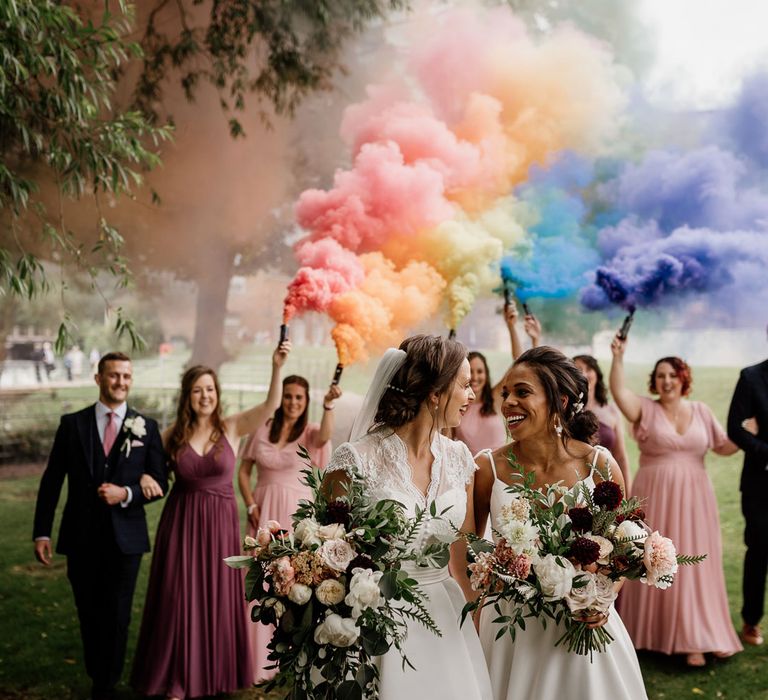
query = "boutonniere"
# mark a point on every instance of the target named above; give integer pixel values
(135, 427)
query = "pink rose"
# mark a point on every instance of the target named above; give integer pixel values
(660, 559)
(283, 575)
(263, 536)
(273, 526)
(336, 554)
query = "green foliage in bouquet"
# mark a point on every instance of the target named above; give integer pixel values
(559, 553)
(336, 589)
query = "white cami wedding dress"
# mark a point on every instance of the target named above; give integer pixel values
(532, 668)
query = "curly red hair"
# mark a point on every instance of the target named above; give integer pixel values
(682, 369)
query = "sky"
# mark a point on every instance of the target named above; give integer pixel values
(703, 48)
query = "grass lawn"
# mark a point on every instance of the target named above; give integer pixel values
(40, 652)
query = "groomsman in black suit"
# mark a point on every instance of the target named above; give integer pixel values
(750, 400)
(103, 450)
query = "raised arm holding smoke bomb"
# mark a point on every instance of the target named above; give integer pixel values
(532, 327)
(674, 435)
(272, 450)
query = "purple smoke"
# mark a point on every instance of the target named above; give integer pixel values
(687, 261)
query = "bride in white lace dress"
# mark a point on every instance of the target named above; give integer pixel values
(544, 396)
(396, 444)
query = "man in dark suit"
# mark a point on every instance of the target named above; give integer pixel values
(103, 450)
(750, 400)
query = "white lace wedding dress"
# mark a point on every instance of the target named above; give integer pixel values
(451, 666)
(533, 668)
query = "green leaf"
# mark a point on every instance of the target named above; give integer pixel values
(349, 690)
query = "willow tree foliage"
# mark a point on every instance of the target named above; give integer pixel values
(62, 136)
(278, 51)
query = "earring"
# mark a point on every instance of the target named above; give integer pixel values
(559, 428)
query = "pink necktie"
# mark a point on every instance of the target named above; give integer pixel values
(110, 433)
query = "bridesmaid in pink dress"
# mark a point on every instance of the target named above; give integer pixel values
(482, 427)
(674, 436)
(194, 632)
(273, 449)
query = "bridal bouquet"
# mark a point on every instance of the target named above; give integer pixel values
(335, 589)
(558, 555)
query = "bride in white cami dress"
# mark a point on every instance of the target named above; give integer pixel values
(532, 668)
(451, 666)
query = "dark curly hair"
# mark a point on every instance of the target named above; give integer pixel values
(560, 377)
(487, 407)
(601, 393)
(431, 364)
(682, 369)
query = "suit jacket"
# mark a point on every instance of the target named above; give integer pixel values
(750, 399)
(78, 454)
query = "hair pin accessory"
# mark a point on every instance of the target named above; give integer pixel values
(395, 388)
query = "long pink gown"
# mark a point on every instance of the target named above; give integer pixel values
(692, 615)
(479, 432)
(278, 492)
(194, 633)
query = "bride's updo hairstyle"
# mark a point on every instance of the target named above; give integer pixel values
(431, 364)
(560, 377)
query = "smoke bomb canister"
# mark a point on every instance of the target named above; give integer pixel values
(624, 330)
(527, 309)
(337, 373)
(283, 333)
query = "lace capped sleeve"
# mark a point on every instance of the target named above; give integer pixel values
(460, 466)
(344, 457)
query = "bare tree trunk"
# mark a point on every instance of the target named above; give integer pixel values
(212, 292)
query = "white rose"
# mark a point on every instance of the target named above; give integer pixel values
(306, 532)
(606, 547)
(554, 578)
(336, 554)
(299, 593)
(336, 630)
(249, 542)
(437, 530)
(582, 598)
(364, 591)
(521, 536)
(334, 531)
(330, 592)
(605, 593)
(630, 531)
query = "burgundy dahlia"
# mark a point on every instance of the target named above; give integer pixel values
(361, 561)
(637, 514)
(620, 563)
(585, 551)
(581, 519)
(608, 494)
(338, 512)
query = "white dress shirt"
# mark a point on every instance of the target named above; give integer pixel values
(101, 426)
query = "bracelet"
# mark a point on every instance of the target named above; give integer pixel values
(251, 508)
(327, 408)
